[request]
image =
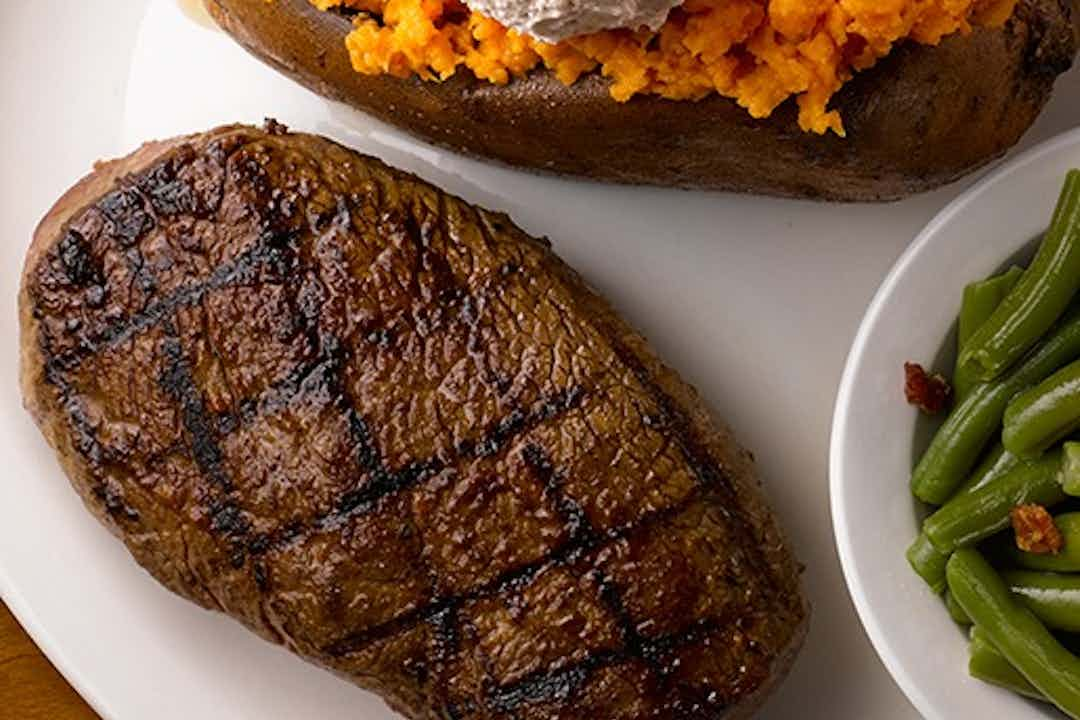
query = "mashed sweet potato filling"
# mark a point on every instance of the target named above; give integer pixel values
(757, 52)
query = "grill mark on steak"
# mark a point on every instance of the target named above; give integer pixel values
(611, 597)
(270, 251)
(567, 554)
(177, 381)
(127, 222)
(446, 643)
(575, 521)
(226, 515)
(282, 255)
(384, 483)
(556, 686)
(324, 373)
(86, 443)
(81, 268)
(561, 685)
(266, 253)
(708, 473)
(304, 381)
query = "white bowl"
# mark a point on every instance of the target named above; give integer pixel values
(877, 437)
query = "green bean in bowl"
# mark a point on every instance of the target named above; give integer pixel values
(1001, 476)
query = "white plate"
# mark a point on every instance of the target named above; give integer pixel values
(876, 435)
(754, 300)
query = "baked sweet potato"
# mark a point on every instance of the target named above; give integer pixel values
(921, 118)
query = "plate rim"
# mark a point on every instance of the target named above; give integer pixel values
(844, 540)
(480, 184)
(45, 642)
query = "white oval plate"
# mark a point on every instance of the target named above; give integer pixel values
(754, 300)
(877, 437)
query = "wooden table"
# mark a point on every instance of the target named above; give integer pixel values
(30, 688)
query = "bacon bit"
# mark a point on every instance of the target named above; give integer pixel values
(929, 393)
(1035, 530)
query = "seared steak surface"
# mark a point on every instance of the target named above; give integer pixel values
(396, 434)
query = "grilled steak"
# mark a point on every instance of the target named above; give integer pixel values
(399, 436)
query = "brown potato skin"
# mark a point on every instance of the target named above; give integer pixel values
(922, 118)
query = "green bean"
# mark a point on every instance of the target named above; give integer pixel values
(987, 664)
(1041, 416)
(980, 300)
(967, 519)
(996, 463)
(1068, 560)
(1014, 630)
(955, 611)
(928, 563)
(1070, 469)
(1053, 597)
(957, 445)
(1039, 298)
(926, 560)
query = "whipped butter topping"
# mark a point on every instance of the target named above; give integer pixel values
(555, 20)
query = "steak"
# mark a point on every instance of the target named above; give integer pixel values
(399, 436)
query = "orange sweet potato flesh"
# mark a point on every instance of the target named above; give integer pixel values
(921, 118)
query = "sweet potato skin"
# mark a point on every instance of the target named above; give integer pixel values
(923, 117)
